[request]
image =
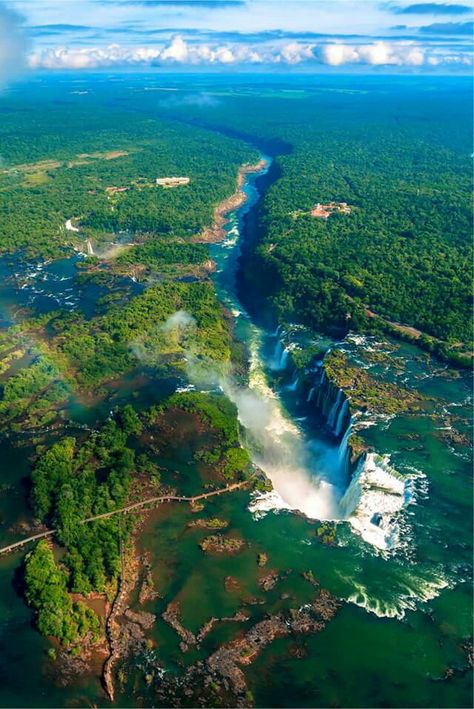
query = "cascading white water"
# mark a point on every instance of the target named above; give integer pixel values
(343, 451)
(377, 492)
(375, 496)
(279, 449)
(308, 476)
(334, 410)
(343, 413)
(279, 360)
(294, 384)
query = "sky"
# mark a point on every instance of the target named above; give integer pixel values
(290, 35)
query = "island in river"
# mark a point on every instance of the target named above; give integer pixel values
(235, 471)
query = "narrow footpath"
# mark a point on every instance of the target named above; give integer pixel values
(136, 506)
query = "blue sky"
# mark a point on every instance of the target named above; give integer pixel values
(290, 34)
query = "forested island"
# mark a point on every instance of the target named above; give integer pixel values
(234, 335)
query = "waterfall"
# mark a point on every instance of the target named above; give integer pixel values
(294, 384)
(277, 446)
(334, 411)
(343, 450)
(375, 496)
(279, 359)
(309, 475)
(343, 411)
(90, 250)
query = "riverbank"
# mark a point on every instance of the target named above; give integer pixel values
(216, 232)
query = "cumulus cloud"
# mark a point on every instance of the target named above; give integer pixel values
(181, 52)
(374, 54)
(13, 44)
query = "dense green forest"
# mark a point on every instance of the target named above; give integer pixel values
(85, 169)
(57, 615)
(400, 158)
(60, 166)
(402, 165)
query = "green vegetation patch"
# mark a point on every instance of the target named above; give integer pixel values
(365, 392)
(75, 480)
(220, 415)
(56, 614)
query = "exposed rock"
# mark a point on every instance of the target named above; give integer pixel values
(212, 523)
(231, 584)
(238, 617)
(269, 581)
(325, 605)
(453, 438)
(219, 544)
(220, 680)
(172, 616)
(142, 618)
(308, 576)
(206, 629)
(216, 232)
(227, 661)
(147, 590)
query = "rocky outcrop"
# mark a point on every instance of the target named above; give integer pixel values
(269, 580)
(172, 616)
(225, 665)
(211, 523)
(219, 544)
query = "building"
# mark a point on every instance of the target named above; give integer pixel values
(172, 181)
(323, 211)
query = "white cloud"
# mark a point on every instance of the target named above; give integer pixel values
(13, 44)
(181, 52)
(295, 53)
(337, 54)
(177, 51)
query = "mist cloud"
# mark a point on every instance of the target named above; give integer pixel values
(179, 321)
(13, 44)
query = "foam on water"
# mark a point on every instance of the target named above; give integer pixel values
(374, 500)
(406, 597)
